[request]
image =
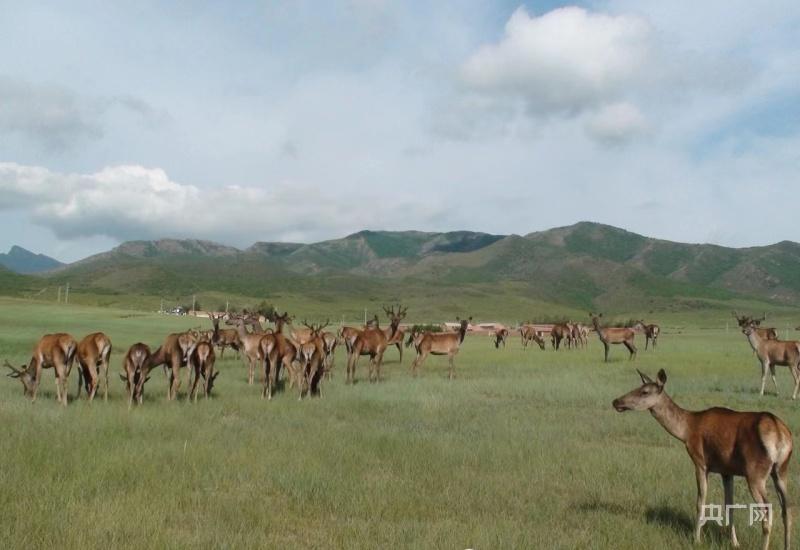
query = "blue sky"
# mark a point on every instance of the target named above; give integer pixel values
(310, 120)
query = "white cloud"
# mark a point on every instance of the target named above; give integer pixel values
(563, 61)
(616, 123)
(133, 202)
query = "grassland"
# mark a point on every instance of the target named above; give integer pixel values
(522, 450)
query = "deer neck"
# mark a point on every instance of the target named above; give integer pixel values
(755, 341)
(673, 418)
(462, 332)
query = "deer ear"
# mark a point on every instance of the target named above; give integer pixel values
(645, 379)
(662, 377)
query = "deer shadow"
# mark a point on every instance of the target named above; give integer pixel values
(683, 524)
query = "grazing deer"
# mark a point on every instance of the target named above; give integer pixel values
(614, 335)
(753, 445)
(225, 337)
(774, 352)
(174, 354)
(201, 361)
(136, 371)
(93, 352)
(559, 332)
(500, 336)
(250, 343)
(650, 332)
(440, 343)
(371, 341)
(764, 333)
(394, 334)
(56, 351)
(528, 333)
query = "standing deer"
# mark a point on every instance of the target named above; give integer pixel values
(753, 445)
(349, 334)
(650, 332)
(559, 332)
(394, 334)
(225, 337)
(93, 352)
(765, 333)
(371, 341)
(614, 335)
(312, 360)
(440, 343)
(174, 354)
(201, 360)
(774, 352)
(331, 341)
(500, 336)
(56, 351)
(136, 371)
(250, 343)
(277, 351)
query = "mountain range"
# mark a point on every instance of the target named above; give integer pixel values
(584, 265)
(21, 260)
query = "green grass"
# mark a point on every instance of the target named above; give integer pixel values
(522, 450)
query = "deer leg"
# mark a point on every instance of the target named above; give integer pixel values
(400, 349)
(764, 367)
(80, 380)
(758, 489)
(779, 479)
(702, 487)
(193, 390)
(774, 381)
(105, 380)
(452, 366)
(92, 381)
(632, 349)
(727, 484)
(606, 346)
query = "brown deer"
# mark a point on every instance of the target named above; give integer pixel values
(311, 356)
(371, 341)
(93, 353)
(278, 351)
(614, 335)
(331, 342)
(765, 333)
(774, 352)
(174, 354)
(56, 351)
(201, 360)
(250, 342)
(394, 334)
(753, 445)
(650, 332)
(136, 370)
(559, 332)
(528, 333)
(225, 337)
(500, 336)
(440, 343)
(349, 334)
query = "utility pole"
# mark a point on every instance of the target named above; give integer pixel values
(227, 305)
(365, 316)
(194, 301)
(66, 294)
(59, 295)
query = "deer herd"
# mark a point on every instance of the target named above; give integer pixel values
(753, 445)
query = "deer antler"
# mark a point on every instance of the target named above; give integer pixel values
(15, 371)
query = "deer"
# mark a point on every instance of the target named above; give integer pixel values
(765, 333)
(394, 334)
(774, 352)
(559, 332)
(371, 341)
(225, 337)
(500, 336)
(578, 335)
(56, 351)
(528, 333)
(250, 342)
(93, 353)
(136, 367)
(173, 354)
(201, 360)
(331, 342)
(277, 351)
(650, 332)
(440, 343)
(614, 335)
(753, 445)
(312, 360)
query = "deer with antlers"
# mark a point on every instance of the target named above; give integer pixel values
(765, 333)
(136, 368)
(278, 352)
(650, 332)
(614, 335)
(93, 353)
(224, 337)
(250, 342)
(772, 353)
(440, 343)
(311, 358)
(371, 341)
(201, 361)
(394, 334)
(56, 351)
(753, 445)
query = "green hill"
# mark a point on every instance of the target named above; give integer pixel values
(586, 265)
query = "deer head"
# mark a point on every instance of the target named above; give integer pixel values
(24, 375)
(645, 397)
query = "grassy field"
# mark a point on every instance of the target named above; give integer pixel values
(522, 450)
